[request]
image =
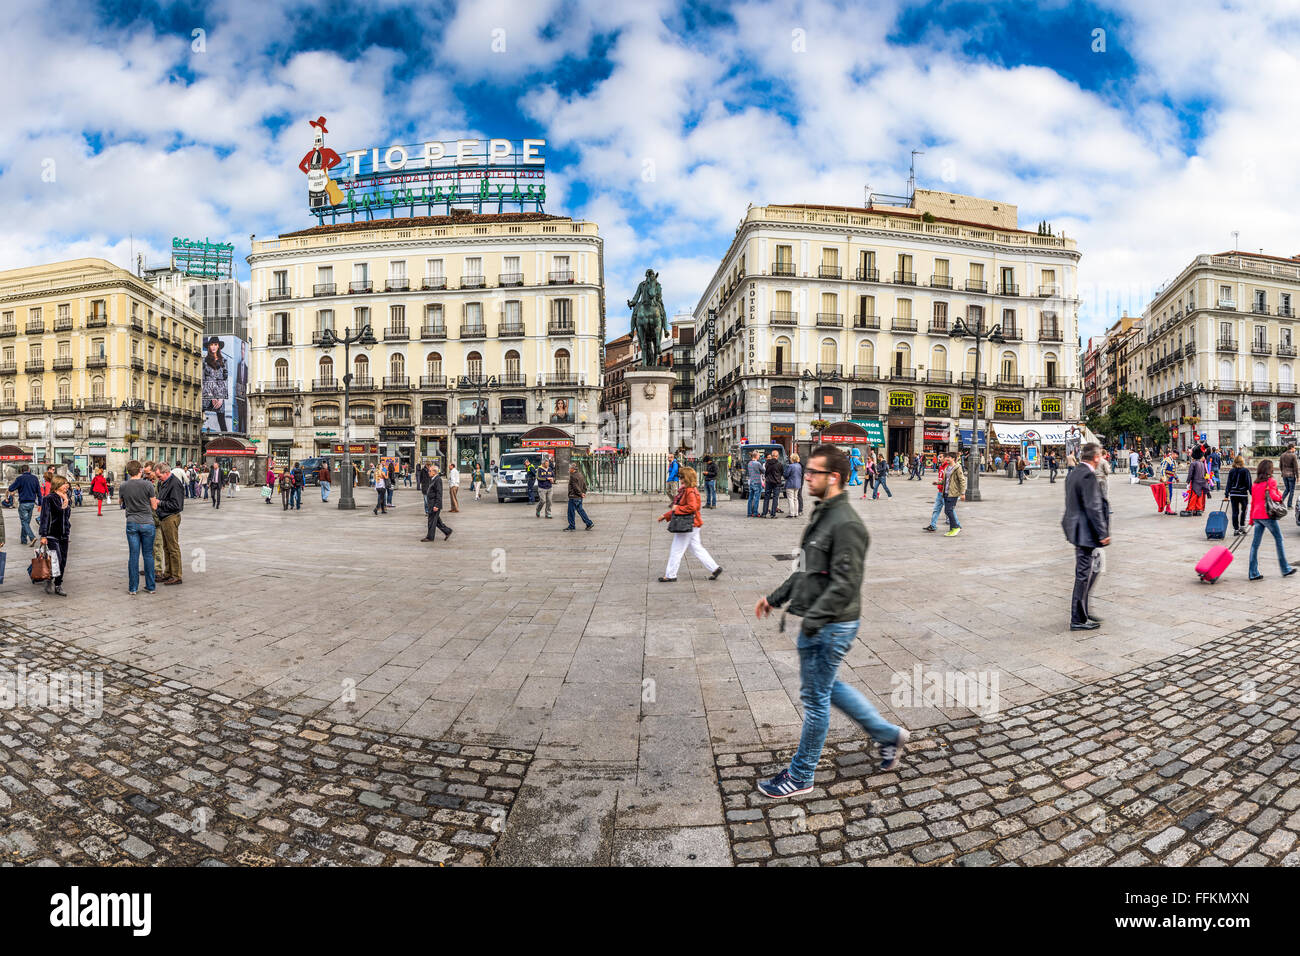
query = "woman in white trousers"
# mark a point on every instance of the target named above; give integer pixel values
(687, 502)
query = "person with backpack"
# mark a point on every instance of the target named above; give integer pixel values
(685, 511)
(286, 489)
(827, 593)
(295, 497)
(711, 482)
(1237, 490)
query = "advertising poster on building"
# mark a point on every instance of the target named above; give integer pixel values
(473, 411)
(562, 411)
(225, 385)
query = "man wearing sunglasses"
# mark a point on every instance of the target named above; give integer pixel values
(826, 590)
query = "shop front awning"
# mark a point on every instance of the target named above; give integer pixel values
(14, 453)
(546, 436)
(1045, 433)
(852, 433)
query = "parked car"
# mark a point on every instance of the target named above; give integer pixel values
(311, 469)
(740, 459)
(512, 473)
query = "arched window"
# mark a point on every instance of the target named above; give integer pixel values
(939, 359)
(36, 395)
(10, 396)
(135, 387)
(281, 371)
(1007, 371)
(782, 355)
(433, 365)
(970, 361)
(1284, 375)
(1050, 369)
(826, 358)
(1261, 373)
(326, 369)
(474, 365)
(361, 368)
(866, 354)
(397, 365)
(1225, 370)
(65, 389)
(562, 363)
(512, 365)
(902, 358)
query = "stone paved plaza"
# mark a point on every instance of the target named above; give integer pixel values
(394, 699)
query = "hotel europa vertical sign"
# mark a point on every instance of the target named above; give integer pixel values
(711, 360)
(751, 337)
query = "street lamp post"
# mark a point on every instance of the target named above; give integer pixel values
(961, 330)
(366, 339)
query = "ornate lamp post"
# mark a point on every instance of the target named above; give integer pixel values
(366, 339)
(961, 330)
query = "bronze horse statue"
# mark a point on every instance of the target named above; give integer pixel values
(649, 321)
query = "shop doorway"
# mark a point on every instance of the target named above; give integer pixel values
(900, 440)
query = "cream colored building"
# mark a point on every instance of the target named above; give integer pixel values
(485, 323)
(846, 313)
(1221, 350)
(96, 367)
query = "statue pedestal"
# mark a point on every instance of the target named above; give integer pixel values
(649, 394)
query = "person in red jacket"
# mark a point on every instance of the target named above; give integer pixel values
(99, 488)
(687, 502)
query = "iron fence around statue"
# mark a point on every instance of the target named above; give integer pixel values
(625, 474)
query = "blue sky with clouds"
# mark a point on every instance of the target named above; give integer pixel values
(1147, 132)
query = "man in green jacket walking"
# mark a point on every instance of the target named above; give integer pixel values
(826, 590)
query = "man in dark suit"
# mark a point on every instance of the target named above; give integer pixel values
(1086, 528)
(433, 503)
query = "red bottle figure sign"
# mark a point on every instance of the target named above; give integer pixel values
(320, 159)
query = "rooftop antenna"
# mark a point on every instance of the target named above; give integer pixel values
(911, 179)
(1235, 234)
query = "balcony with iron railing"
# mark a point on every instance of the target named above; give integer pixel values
(63, 324)
(938, 326)
(433, 332)
(8, 368)
(830, 272)
(977, 285)
(279, 339)
(34, 405)
(561, 277)
(34, 366)
(1260, 348)
(62, 364)
(1048, 291)
(865, 275)
(1259, 308)
(1226, 345)
(36, 328)
(778, 369)
(472, 282)
(867, 322)
(901, 324)
(940, 282)
(325, 419)
(828, 370)
(324, 288)
(1286, 351)
(397, 381)
(137, 363)
(276, 293)
(1011, 333)
(473, 330)
(1051, 334)
(1286, 388)
(433, 381)
(1008, 288)
(830, 320)
(397, 285)
(433, 283)
(510, 330)
(510, 278)
(7, 331)
(1284, 311)
(548, 379)
(360, 285)
(905, 278)
(784, 318)
(278, 385)
(362, 383)
(512, 380)
(397, 333)
(101, 404)
(62, 405)
(783, 269)
(896, 373)
(970, 378)
(560, 327)
(1010, 381)
(330, 384)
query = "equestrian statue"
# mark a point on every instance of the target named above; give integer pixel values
(649, 321)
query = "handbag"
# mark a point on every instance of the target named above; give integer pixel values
(1274, 509)
(681, 524)
(39, 569)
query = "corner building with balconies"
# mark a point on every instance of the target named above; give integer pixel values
(1221, 350)
(485, 324)
(845, 313)
(96, 368)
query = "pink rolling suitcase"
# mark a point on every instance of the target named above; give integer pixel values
(1211, 567)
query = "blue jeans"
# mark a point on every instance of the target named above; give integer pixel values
(755, 493)
(390, 494)
(1271, 525)
(938, 509)
(575, 507)
(139, 538)
(295, 497)
(1133, 470)
(950, 508)
(324, 491)
(882, 484)
(25, 521)
(1288, 489)
(710, 493)
(819, 659)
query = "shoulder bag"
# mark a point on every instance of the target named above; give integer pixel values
(681, 524)
(1274, 509)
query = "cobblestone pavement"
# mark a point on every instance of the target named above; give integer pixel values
(1190, 761)
(163, 773)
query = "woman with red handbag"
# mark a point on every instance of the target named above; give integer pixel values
(684, 522)
(56, 529)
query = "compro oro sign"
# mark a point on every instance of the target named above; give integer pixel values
(429, 178)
